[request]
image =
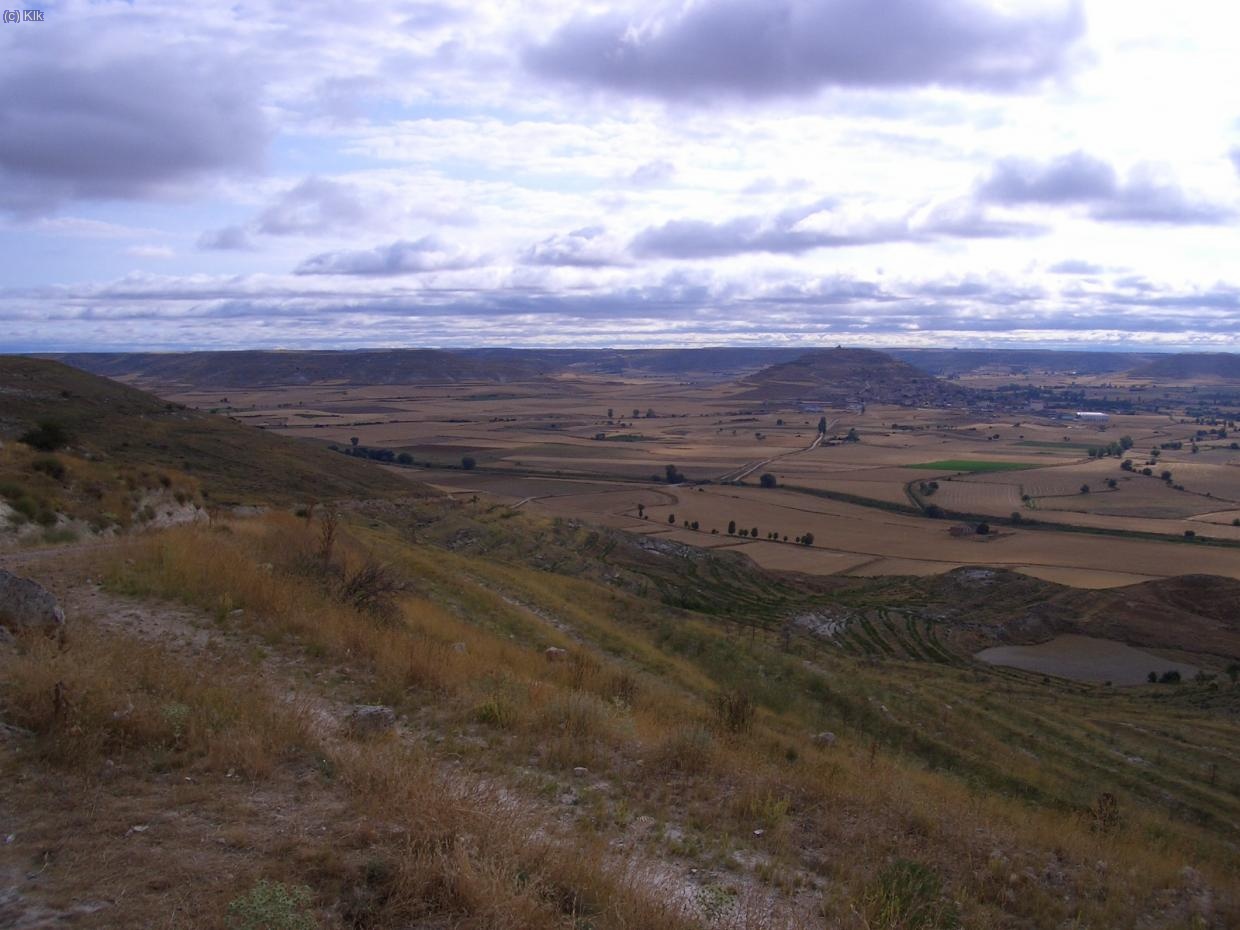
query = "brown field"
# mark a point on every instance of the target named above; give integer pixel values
(535, 447)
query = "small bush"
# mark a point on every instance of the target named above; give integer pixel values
(272, 906)
(371, 588)
(51, 466)
(689, 751)
(47, 436)
(734, 711)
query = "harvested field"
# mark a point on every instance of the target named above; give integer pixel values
(1084, 658)
(1082, 577)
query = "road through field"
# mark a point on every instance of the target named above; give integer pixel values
(740, 474)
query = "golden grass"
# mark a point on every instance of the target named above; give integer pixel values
(464, 652)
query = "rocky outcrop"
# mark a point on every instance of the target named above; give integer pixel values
(26, 606)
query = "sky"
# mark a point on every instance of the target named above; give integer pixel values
(321, 174)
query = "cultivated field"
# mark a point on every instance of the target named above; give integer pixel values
(600, 449)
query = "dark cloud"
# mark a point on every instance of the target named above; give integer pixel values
(1078, 178)
(75, 127)
(228, 238)
(1146, 198)
(425, 254)
(765, 48)
(1075, 266)
(785, 233)
(653, 173)
(315, 205)
(1073, 178)
(581, 248)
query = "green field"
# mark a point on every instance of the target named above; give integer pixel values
(975, 466)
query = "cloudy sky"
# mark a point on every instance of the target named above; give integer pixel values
(306, 173)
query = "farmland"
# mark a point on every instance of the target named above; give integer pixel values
(875, 495)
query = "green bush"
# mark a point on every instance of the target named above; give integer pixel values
(47, 436)
(51, 466)
(272, 906)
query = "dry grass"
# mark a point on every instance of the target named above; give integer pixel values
(463, 656)
(105, 695)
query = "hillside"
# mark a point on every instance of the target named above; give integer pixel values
(230, 462)
(1188, 366)
(841, 376)
(261, 368)
(941, 362)
(586, 729)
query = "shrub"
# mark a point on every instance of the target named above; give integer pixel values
(768, 480)
(468, 462)
(688, 750)
(734, 711)
(907, 895)
(1171, 677)
(272, 906)
(51, 466)
(371, 588)
(47, 436)
(983, 529)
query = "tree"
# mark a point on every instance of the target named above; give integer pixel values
(404, 459)
(609, 414)
(807, 539)
(467, 462)
(731, 527)
(983, 529)
(47, 436)
(353, 441)
(822, 426)
(1084, 489)
(768, 480)
(1171, 677)
(671, 518)
(673, 474)
(853, 436)
(641, 509)
(1233, 672)
(754, 532)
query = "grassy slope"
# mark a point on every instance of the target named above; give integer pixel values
(233, 463)
(984, 778)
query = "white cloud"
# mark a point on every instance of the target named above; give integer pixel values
(402, 173)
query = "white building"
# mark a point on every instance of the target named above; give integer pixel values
(1093, 416)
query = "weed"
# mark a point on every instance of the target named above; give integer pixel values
(907, 895)
(272, 906)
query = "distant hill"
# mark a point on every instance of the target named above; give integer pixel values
(841, 376)
(233, 463)
(967, 361)
(262, 368)
(267, 368)
(1186, 366)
